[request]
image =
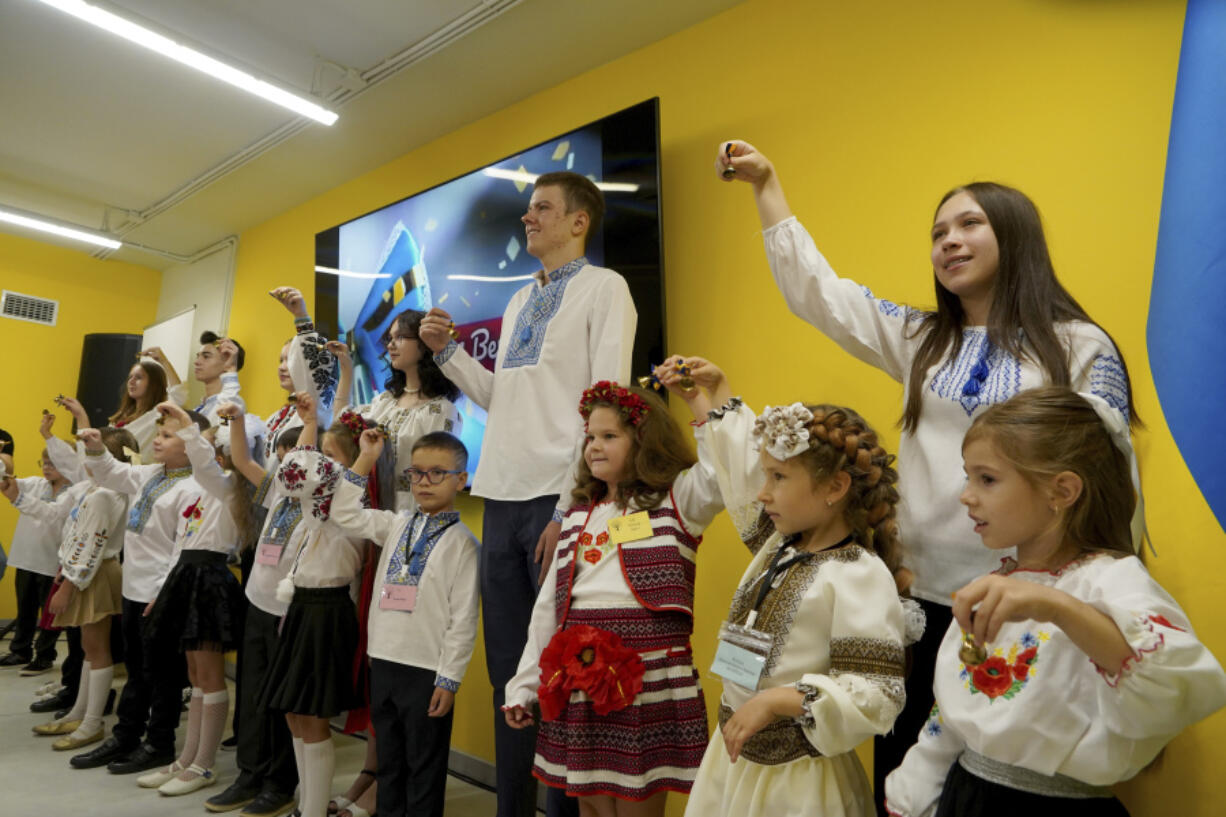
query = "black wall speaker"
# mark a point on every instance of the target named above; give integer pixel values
(106, 359)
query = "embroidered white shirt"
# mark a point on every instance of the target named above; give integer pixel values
(941, 545)
(557, 340)
(36, 539)
(1040, 703)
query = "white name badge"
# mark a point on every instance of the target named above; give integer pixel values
(398, 597)
(268, 554)
(741, 655)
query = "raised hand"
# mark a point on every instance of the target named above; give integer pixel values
(44, 425)
(229, 354)
(306, 408)
(340, 351)
(291, 299)
(173, 411)
(435, 330)
(743, 161)
(92, 438)
(230, 410)
(371, 442)
(8, 487)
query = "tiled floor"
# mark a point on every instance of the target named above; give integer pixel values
(37, 781)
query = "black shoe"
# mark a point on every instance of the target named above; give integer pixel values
(240, 793)
(229, 744)
(268, 804)
(13, 660)
(37, 667)
(110, 702)
(104, 753)
(140, 759)
(55, 703)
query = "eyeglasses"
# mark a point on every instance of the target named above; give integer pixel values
(434, 475)
(390, 339)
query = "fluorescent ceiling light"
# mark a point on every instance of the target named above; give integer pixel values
(58, 229)
(344, 273)
(525, 177)
(190, 57)
(492, 278)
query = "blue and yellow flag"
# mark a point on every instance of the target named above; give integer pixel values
(1186, 333)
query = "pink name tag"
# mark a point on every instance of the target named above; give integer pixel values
(398, 597)
(268, 554)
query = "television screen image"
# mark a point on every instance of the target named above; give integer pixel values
(460, 246)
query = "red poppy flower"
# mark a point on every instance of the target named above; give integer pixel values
(585, 539)
(602, 539)
(594, 661)
(592, 556)
(993, 677)
(1021, 667)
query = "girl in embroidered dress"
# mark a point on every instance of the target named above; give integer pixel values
(199, 608)
(1003, 323)
(608, 655)
(418, 397)
(816, 615)
(311, 677)
(1076, 667)
(87, 587)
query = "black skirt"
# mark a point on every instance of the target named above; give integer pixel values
(200, 606)
(312, 670)
(967, 795)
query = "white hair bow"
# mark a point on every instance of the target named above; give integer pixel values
(783, 431)
(1117, 427)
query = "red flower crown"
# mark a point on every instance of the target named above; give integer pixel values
(353, 421)
(632, 407)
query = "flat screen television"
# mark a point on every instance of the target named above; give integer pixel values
(460, 246)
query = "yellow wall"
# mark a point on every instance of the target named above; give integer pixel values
(870, 113)
(43, 361)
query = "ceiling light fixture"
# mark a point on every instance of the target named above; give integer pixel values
(190, 57)
(530, 178)
(33, 223)
(344, 273)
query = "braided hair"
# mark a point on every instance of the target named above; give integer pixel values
(841, 440)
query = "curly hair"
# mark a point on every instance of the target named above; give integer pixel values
(841, 440)
(433, 382)
(659, 451)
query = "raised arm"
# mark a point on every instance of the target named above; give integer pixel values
(741, 161)
(347, 509)
(240, 455)
(476, 381)
(311, 364)
(200, 452)
(344, 386)
(110, 472)
(172, 377)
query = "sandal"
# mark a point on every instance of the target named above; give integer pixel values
(340, 803)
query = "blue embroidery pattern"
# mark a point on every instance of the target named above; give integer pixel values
(887, 308)
(397, 571)
(154, 489)
(445, 355)
(285, 517)
(1108, 381)
(528, 336)
(932, 727)
(982, 374)
(446, 683)
(354, 478)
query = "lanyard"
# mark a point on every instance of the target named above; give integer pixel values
(777, 566)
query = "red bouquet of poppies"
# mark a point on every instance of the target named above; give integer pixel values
(594, 661)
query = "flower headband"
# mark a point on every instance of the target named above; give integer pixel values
(632, 407)
(783, 431)
(353, 421)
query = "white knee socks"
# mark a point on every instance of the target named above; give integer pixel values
(320, 762)
(99, 686)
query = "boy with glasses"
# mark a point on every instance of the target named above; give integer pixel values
(423, 617)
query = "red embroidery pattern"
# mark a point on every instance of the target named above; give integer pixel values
(1005, 673)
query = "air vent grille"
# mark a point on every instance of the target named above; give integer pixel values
(29, 308)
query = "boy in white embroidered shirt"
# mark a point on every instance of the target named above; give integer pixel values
(423, 617)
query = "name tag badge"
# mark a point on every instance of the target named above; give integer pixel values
(630, 528)
(268, 554)
(741, 655)
(398, 597)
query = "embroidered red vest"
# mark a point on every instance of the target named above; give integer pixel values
(659, 570)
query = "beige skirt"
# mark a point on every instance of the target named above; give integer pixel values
(103, 597)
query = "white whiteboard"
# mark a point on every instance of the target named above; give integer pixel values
(175, 337)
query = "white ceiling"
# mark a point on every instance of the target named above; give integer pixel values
(101, 133)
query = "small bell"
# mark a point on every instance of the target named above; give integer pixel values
(649, 381)
(686, 381)
(970, 653)
(451, 330)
